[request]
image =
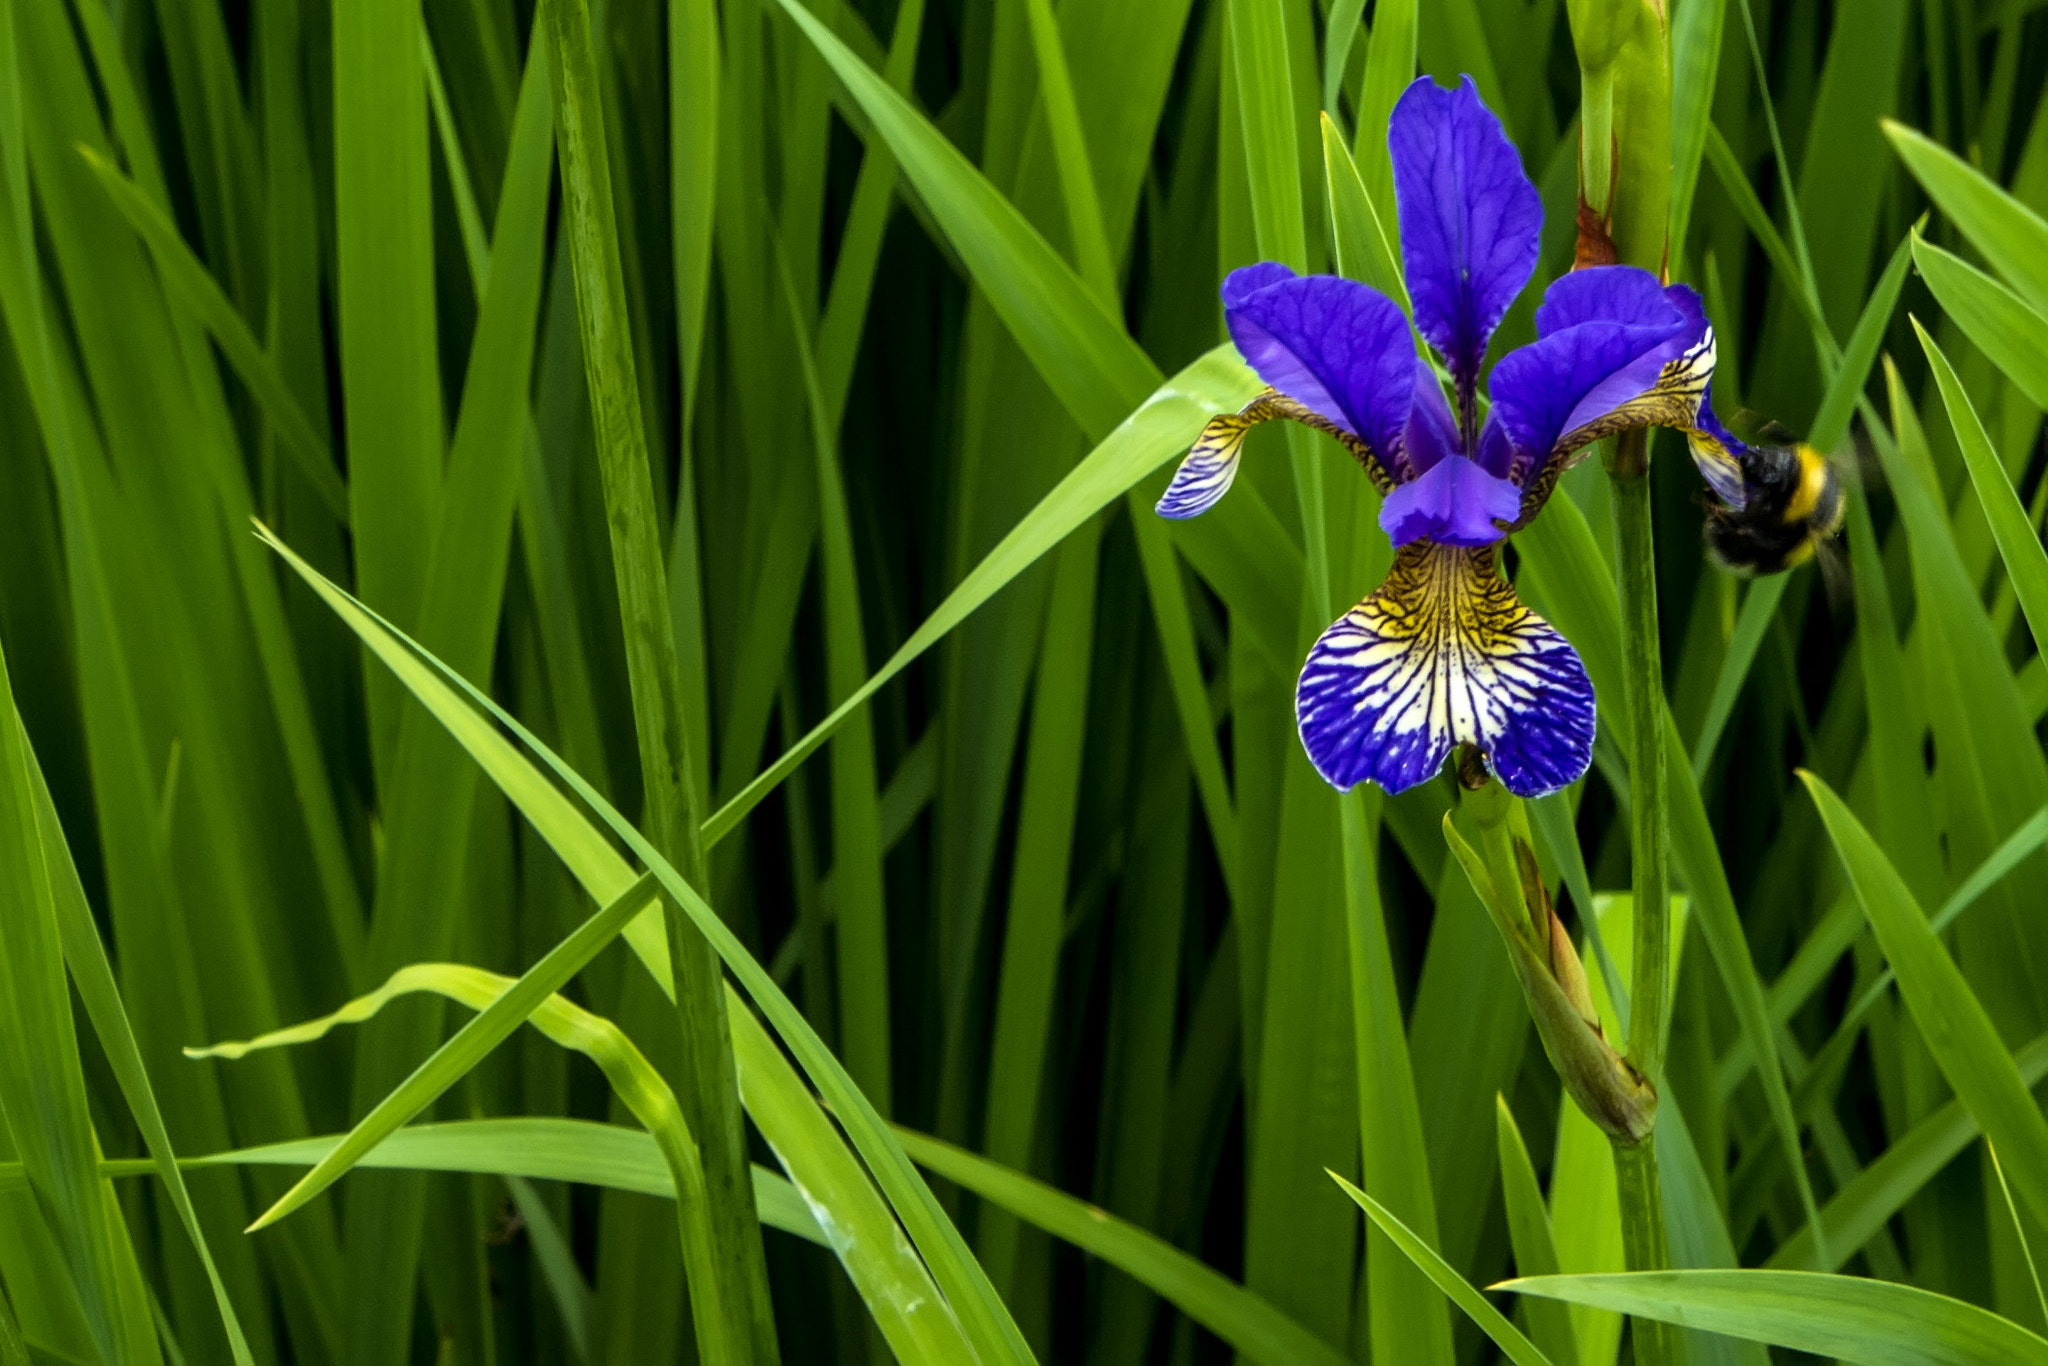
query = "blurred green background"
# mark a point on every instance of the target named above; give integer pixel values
(1065, 895)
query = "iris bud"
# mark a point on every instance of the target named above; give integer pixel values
(1620, 1100)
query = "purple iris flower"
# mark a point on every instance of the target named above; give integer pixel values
(1444, 653)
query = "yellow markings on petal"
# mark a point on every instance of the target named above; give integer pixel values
(1445, 653)
(1673, 401)
(1209, 467)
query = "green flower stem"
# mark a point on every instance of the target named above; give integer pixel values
(1596, 136)
(1642, 1202)
(1642, 1236)
(738, 1324)
(1650, 844)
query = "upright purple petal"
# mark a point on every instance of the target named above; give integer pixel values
(1246, 281)
(1338, 347)
(1469, 220)
(1612, 294)
(1445, 654)
(1455, 502)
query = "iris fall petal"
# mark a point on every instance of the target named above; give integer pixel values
(1444, 654)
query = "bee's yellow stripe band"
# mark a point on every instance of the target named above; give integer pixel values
(1813, 480)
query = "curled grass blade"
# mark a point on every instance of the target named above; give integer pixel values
(460, 1054)
(592, 859)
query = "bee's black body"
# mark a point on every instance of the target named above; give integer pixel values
(1792, 501)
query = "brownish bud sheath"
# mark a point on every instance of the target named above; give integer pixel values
(1595, 247)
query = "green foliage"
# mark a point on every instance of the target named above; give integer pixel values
(615, 384)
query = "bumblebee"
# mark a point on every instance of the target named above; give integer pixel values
(1776, 502)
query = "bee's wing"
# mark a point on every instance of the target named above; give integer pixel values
(1835, 577)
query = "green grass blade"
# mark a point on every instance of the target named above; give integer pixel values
(1158, 429)
(1491, 1321)
(1265, 102)
(2012, 236)
(858, 895)
(860, 246)
(838, 1196)
(42, 1085)
(1346, 26)
(1389, 67)
(669, 775)
(1951, 1019)
(566, 1285)
(528, 1147)
(1067, 330)
(1695, 64)
(1356, 231)
(1034, 931)
(93, 976)
(693, 64)
(1070, 149)
(590, 856)
(385, 312)
(2019, 545)
(470, 1045)
(2019, 1228)
(187, 281)
(1407, 1322)
(2019, 847)
(1241, 1318)
(1168, 597)
(1529, 1235)
(1871, 1323)
(1869, 1200)
(2005, 329)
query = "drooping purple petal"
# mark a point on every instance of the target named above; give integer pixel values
(1716, 451)
(1623, 360)
(1432, 429)
(1444, 653)
(1469, 220)
(1339, 347)
(1208, 469)
(1206, 472)
(1455, 502)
